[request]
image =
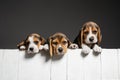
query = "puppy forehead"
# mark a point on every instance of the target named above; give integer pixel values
(90, 24)
(58, 35)
(35, 35)
(59, 39)
(94, 28)
(55, 40)
(88, 28)
(33, 38)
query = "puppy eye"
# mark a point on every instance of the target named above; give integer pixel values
(86, 32)
(36, 42)
(55, 43)
(64, 42)
(94, 32)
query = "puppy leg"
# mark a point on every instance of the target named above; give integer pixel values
(85, 49)
(41, 47)
(97, 49)
(46, 47)
(73, 46)
(22, 47)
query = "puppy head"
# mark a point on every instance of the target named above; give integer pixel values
(90, 33)
(32, 43)
(58, 44)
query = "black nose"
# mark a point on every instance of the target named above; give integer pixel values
(31, 48)
(91, 39)
(60, 49)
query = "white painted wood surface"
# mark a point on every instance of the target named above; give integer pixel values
(17, 65)
(118, 63)
(109, 59)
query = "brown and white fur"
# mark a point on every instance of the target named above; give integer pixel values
(59, 43)
(32, 44)
(89, 38)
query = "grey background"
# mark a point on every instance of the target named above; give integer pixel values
(20, 18)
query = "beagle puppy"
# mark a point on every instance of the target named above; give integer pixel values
(58, 44)
(32, 44)
(89, 38)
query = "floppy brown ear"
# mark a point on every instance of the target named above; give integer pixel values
(50, 47)
(69, 42)
(81, 37)
(21, 44)
(99, 36)
(42, 40)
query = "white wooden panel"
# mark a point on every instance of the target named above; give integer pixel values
(92, 66)
(34, 67)
(119, 63)
(1, 62)
(16, 65)
(58, 68)
(75, 65)
(109, 59)
(10, 65)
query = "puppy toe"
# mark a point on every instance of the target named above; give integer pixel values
(73, 46)
(86, 51)
(46, 47)
(22, 48)
(41, 47)
(97, 49)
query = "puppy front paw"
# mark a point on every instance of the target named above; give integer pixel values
(97, 49)
(86, 50)
(41, 47)
(22, 48)
(46, 47)
(73, 46)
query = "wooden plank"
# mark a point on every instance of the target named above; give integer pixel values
(10, 65)
(75, 69)
(92, 66)
(1, 63)
(16, 65)
(59, 67)
(119, 63)
(34, 67)
(109, 59)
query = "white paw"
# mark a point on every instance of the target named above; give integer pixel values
(73, 46)
(97, 49)
(22, 47)
(41, 47)
(46, 47)
(85, 49)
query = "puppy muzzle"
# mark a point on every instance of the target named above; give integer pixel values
(60, 49)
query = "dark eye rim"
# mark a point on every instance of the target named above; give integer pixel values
(36, 42)
(94, 32)
(64, 42)
(55, 43)
(86, 32)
